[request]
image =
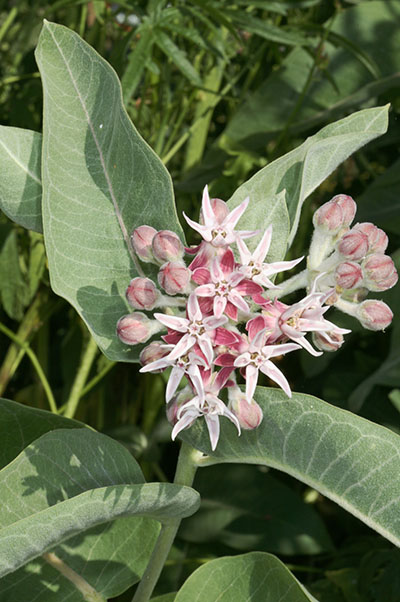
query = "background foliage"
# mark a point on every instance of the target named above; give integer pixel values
(219, 91)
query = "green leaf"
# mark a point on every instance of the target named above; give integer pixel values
(20, 185)
(266, 30)
(178, 57)
(247, 509)
(136, 63)
(255, 577)
(300, 171)
(100, 181)
(20, 425)
(65, 486)
(348, 459)
(14, 288)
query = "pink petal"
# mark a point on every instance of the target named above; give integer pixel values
(245, 255)
(277, 350)
(173, 322)
(224, 337)
(207, 210)
(219, 306)
(248, 287)
(201, 276)
(254, 326)
(212, 422)
(242, 360)
(231, 311)
(234, 216)
(193, 308)
(157, 365)
(173, 382)
(205, 290)
(247, 233)
(222, 377)
(207, 348)
(184, 345)
(203, 230)
(200, 260)
(225, 359)
(263, 246)
(251, 381)
(206, 305)
(258, 341)
(227, 262)
(281, 266)
(186, 421)
(172, 337)
(212, 322)
(276, 375)
(197, 382)
(216, 272)
(237, 300)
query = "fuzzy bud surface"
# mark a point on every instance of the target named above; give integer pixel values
(142, 293)
(174, 277)
(167, 246)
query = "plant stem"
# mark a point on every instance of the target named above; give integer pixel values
(80, 379)
(36, 364)
(185, 471)
(88, 592)
(289, 286)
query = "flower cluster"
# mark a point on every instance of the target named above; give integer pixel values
(222, 314)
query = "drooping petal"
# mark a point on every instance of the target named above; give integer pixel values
(173, 322)
(254, 326)
(212, 421)
(242, 360)
(235, 298)
(222, 377)
(308, 347)
(226, 359)
(251, 381)
(277, 350)
(187, 420)
(197, 382)
(276, 375)
(227, 263)
(248, 287)
(231, 311)
(206, 347)
(224, 337)
(173, 382)
(156, 365)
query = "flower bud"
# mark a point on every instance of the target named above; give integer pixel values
(348, 274)
(374, 314)
(327, 341)
(167, 246)
(174, 277)
(353, 245)
(377, 239)
(136, 328)
(176, 403)
(379, 272)
(142, 293)
(220, 209)
(337, 213)
(155, 351)
(141, 239)
(248, 414)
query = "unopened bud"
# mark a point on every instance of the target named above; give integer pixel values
(141, 239)
(330, 341)
(249, 415)
(155, 351)
(136, 328)
(374, 314)
(174, 277)
(167, 246)
(142, 293)
(377, 239)
(353, 245)
(348, 274)
(220, 209)
(379, 272)
(337, 213)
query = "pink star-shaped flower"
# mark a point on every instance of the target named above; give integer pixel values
(253, 265)
(211, 407)
(195, 329)
(219, 233)
(225, 285)
(258, 358)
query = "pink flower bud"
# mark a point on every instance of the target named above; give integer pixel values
(220, 209)
(353, 245)
(348, 274)
(167, 246)
(248, 414)
(379, 272)
(174, 277)
(136, 328)
(377, 239)
(374, 314)
(141, 239)
(335, 214)
(155, 351)
(329, 341)
(142, 293)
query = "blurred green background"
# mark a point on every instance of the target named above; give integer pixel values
(220, 89)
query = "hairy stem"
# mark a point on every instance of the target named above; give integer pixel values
(185, 471)
(87, 359)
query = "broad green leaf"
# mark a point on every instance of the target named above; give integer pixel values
(255, 577)
(68, 486)
(14, 288)
(20, 185)
(300, 171)
(100, 181)
(165, 598)
(20, 425)
(348, 459)
(380, 202)
(247, 509)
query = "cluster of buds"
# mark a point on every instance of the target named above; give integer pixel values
(223, 317)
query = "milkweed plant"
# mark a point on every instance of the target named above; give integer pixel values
(77, 517)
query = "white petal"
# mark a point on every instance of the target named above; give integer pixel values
(245, 255)
(219, 306)
(234, 216)
(277, 376)
(173, 382)
(206, 207)
(242, 360)
(206, 347)
(251, 381)
(184, 422)
(212, 421)
(179, 324)
(204, 231)
(263, 246)
(186, 343)
(193, 307)
(205, 290)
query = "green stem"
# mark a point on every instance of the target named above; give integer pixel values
(8, 22)
(79, 383)
(289, 286)
(36, 364)
(185, 471)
